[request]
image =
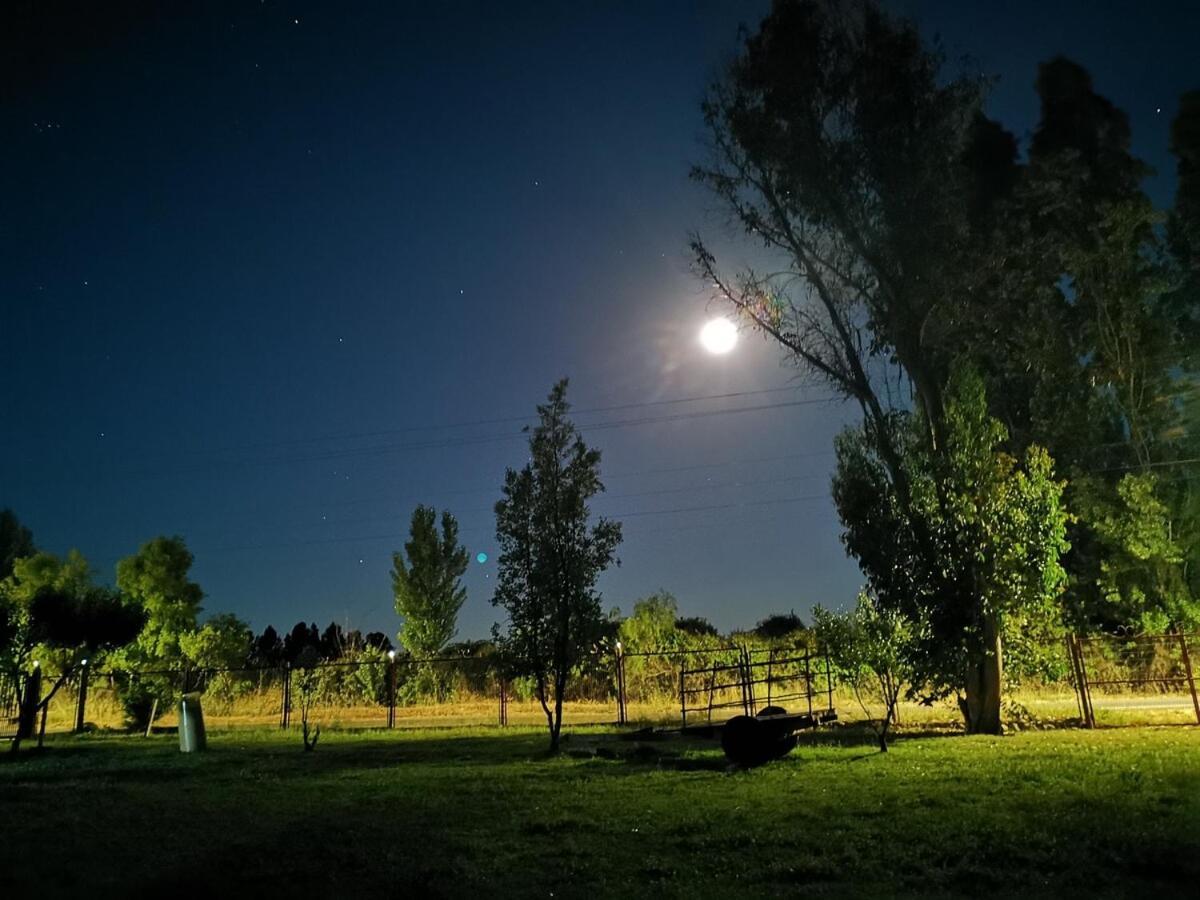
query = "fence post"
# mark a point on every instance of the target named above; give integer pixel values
(770, 673)
(682, 696)
(1074, 675)
(286, 708)
(748, 680)
(829, 684)
(1187, 668)
(503, 702)
(81, 704)
(741, 670)
(808, 688)
(391, 716)
(622, 712)
(712, 676)
(1089, 715)
(32, 693)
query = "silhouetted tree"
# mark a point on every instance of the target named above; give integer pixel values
(697, 625)
(778, 626)
(377, 640)
(333, 641)
(551, 557)
(302, 635)
(268, 648)
(82, 622)
(16, 541)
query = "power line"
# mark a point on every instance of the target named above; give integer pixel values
(1166, 463)
(386, 449)
(605, 477)
(719, 506)
(686, 489)
(398, 535)
(506, 420)
(466, 440)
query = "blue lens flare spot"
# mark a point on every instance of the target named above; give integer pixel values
(481, 558)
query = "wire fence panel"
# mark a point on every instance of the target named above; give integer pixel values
(10, 705)
(1136, 679)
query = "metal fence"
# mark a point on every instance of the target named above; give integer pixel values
(760, 679)
(10, 705)
(1103, 680)
(387, 692)
(1135, 677)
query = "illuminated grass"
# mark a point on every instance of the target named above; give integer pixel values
(455, 812)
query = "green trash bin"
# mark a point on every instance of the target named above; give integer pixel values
(191, 724)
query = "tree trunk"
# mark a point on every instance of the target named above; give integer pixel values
(541, 692)
(981, 706)
(556, 725)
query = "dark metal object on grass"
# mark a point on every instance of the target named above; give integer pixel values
(757, 736)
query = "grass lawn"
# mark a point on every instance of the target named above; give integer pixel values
(478, 812)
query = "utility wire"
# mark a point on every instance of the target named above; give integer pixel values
(507, 419)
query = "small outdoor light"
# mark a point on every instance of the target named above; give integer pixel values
(392, 655)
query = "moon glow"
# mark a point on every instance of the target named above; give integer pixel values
(718, 336)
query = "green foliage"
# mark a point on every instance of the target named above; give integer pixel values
(551, 557)
(156, 577)
(30, 577)
(1085, 327)
(222, 642)
(428, 586)
(872, 648)
(910, 234)
(68, 619)
(654, 627)
(367, 679)
(307, 677)
(652, 624)
(998, 526)
(1140, 573)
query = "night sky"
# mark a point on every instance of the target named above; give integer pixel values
(274, 273)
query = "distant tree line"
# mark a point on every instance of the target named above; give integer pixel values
(330, 645)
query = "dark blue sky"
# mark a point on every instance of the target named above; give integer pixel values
(257, 263)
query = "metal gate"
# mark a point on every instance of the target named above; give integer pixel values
(1107, 666)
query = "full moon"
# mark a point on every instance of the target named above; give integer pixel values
(718, 335)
